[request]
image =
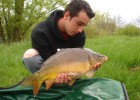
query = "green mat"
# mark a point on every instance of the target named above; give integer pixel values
(83, 89)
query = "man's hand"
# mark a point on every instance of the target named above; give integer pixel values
(62, 78)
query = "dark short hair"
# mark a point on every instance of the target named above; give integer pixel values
(75, 6)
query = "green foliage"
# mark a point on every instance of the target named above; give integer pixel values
(18, 16)
(37, 10)
(7, 18)
(129, 30)
(102, 24)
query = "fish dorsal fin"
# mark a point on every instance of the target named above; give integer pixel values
(49, 83)
(36, 86)
(89, 73)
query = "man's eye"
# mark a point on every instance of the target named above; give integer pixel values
(79, 24)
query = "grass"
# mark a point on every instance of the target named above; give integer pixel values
(124, 61)
(12, 70)
(123, 64)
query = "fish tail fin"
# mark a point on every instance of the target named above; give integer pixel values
(28, 81)
(49, 83)
(32, 81)
(36, 86)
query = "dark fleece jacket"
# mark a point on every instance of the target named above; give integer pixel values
(46, 37)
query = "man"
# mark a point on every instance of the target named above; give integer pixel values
(62, 29)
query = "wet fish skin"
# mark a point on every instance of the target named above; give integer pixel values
(75, 60)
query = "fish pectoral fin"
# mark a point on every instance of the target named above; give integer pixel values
(71, 82)
(89, 74)
(49, 83)
(36, 86)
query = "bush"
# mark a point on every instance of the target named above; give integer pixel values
(129, 30)
(102, 24)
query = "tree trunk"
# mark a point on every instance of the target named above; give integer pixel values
(19, 8)
(2, 37)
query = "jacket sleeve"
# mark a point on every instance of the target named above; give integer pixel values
(40, 43)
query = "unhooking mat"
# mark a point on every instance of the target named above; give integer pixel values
(82, 89)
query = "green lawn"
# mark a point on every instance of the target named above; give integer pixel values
(123, 64)
(124, 61)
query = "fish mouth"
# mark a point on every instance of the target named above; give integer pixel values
(105, 59)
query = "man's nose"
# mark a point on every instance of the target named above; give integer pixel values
(80, 29)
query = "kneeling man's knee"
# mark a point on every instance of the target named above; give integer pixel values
(30, 53)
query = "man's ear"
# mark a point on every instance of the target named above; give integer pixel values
(67, 15)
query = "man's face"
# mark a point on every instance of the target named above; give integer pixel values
(76, 24)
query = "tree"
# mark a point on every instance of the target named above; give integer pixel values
(18, 16)
(1, 31)
(19, 8)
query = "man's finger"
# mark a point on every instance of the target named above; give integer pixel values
(58, 78)
(61, 78)
(65, 78)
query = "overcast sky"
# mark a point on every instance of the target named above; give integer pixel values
(128, 10)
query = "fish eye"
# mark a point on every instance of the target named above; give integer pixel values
(99, 56)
